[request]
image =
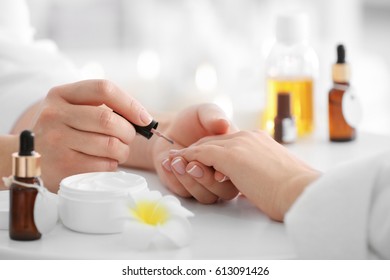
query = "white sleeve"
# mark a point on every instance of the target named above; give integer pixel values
(345, 214)
(28, 68)
(27, 72)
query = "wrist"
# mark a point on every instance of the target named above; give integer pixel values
(294, 189)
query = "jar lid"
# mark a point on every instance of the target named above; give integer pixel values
(96, 186)
(4, 209)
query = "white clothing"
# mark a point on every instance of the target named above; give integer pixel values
(28, 68)
(345, 214)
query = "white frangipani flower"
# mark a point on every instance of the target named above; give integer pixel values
(153, 218)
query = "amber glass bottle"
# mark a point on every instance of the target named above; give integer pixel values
(284, 129)
(25, 169)
(339, 129)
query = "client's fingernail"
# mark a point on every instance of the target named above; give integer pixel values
(224, 178)
(146, 118)
(179, 166)
(166, 164)
(196, 171)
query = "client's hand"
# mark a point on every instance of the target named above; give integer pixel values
(263, 170)
(197, 180)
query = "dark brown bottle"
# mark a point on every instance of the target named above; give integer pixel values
(25, 169)
(284, 124)
(339, 129)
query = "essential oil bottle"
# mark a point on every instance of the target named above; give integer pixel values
(339, 129)
(26, 170)
(285, 129)
(291, 66)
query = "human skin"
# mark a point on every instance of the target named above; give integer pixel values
(187, 127)
(77, 131)
(260, 168)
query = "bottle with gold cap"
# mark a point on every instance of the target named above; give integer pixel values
(25, 171)
(339, 129)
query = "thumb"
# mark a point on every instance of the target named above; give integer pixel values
(214, 120)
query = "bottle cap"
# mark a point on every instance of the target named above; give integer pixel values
(146, 131)
(340, 70)
(292, 28)
(283, 105)
(26, 163)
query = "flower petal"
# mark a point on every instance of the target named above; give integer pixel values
(149, 196)
(132, 199)
(173, 205)
(177, 230)
(146, 195)
(138, 236)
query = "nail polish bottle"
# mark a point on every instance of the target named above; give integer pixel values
(284, 128)
(25, 170)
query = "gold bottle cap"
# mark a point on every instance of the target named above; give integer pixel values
(26, 163)
(26, 166)
(340, 70)
(341, 73)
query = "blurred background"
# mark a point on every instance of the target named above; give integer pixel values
(172, 53)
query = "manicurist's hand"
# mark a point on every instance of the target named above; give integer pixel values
(192, 179)
(77, 131)
(263, 170)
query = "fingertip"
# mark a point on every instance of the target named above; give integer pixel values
(195, 171)
(179, 165)
(145, 117)
(220, 177)
(166, 164)
(112, 165)
(221, 126)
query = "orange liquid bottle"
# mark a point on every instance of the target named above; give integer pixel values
(291, 67)
(301, 91)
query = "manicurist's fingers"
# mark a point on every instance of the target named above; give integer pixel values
(98, 92)
(213, 119)
(98, 120)
(88, 163)
(99, 145)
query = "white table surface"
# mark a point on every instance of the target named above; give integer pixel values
(226, 230)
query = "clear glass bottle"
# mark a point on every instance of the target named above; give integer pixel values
(291, 66)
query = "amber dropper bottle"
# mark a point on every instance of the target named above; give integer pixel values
(284, 128)
(339, 129)
(26, 170)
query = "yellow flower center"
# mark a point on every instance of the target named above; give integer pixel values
(150, 213)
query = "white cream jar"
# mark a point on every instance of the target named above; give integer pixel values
(95, 202)
(4, 209)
